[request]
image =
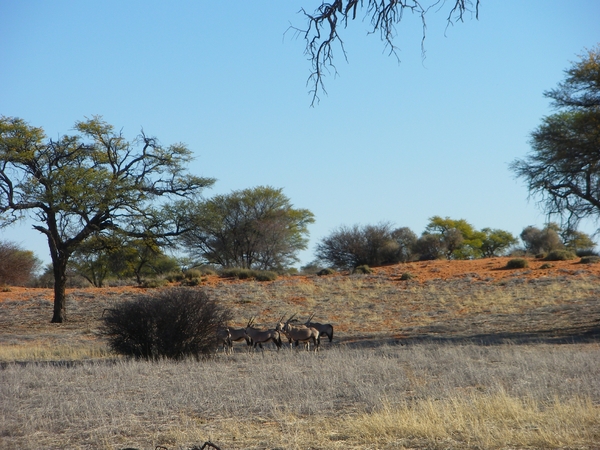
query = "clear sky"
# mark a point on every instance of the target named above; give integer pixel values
(398, 142)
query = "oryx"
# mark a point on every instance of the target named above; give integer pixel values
(299, 333)
(261, 336)
(235, 335)
(224, 339)
(325, 329)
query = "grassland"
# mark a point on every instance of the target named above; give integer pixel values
(466, 361)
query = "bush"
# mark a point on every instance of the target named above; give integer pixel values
(560, 255)
(17, 266)
(406, 276)
(364, 269)
(176, 323)
(517, 263)
(324, 272)
(592, 259)
(546, 266)
(245, 274)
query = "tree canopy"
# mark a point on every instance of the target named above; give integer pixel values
(563, 167)
(255, 228)
(82, 185)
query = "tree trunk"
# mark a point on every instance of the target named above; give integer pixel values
(60, 283)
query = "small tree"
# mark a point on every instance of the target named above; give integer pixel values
(430, 247)
(78, 186)
(460, 239)
(406, 239)
(255, 228)
(496, 242)
(177, 323)
(371, 245)
(17, 266)
(542, 241)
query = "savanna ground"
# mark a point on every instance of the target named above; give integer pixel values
(464, 354)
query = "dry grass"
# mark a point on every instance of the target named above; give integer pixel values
(425, 396)
(489, 359)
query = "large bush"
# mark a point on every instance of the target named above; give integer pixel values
(372, 245)
(17, 266)
(176, 323)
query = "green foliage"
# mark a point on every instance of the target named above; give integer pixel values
(326, 271)
(578, 242)
(496, 242)
(458, 237)
(253, 228)
(79, 186)
(546, 266)
(560, 255)
(563, 167)
(517, 263)
(176, 323)
(364, 269)
(406, 276)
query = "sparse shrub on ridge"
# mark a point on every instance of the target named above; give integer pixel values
(591, 259)
(406, 276)
(245, 274)
(326, 271)
(175, 324)
(560, 255)
(364, 270)
(517, 263)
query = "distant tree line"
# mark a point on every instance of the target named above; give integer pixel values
(348, 247)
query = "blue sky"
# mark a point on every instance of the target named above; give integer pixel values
(398, 142)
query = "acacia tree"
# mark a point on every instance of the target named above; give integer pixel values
(563, 168)
(80, 185)
(459, 238)
(255, 228)
(325, 24)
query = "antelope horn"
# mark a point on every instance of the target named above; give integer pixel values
(290, 319)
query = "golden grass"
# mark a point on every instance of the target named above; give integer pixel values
(480, 421)
(474, 421)
(45, 352)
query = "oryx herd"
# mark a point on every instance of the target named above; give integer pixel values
(307, 333)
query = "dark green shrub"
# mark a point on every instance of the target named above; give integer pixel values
(176, 323)
(560, 255)
(245, 274)
(324, 272)
(517, 263)
(406, 276)
(265, 275)
(546, 266)
(364, 269)
(591, 259)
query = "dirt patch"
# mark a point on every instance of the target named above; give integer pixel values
(478, 301)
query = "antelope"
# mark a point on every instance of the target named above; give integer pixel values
(235, 335)
(259, 337)
(323, 328)
(224, 339)
(300, 333)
